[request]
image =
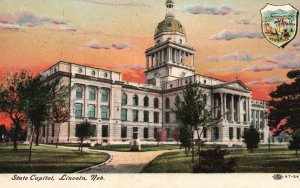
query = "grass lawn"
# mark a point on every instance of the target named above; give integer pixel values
(126, 148)
(278, 160)
(46, 159)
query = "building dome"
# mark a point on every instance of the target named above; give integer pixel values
(169, 2)
(169, 25)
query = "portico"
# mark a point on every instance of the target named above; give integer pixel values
(231, 102)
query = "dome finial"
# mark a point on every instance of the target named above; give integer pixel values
(170, 6)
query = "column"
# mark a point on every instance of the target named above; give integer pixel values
(225, 107)
(249, 101)
(162, 55)
(170, 54)
(183, 57)
(222, 105)
(152, 60)
(258, 111)
(239, 109)
(247, 109)
(156, 59)
(159, 57)
(85, 105)
(147, 61)
(232, 107)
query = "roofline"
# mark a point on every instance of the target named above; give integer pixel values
(93, 67)
(170, 42)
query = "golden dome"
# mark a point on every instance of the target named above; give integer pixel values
(169, 25)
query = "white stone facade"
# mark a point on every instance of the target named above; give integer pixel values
(99, 96)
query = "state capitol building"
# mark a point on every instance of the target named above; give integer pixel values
(121, 111)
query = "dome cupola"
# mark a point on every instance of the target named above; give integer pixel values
(169, 24)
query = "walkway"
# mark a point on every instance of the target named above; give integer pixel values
(122, 162)
(126, 162)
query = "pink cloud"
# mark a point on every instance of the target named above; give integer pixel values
(22, 20)
(244, 21)
(238, 56)
(123, 4)
(95, 45)
(231, 35)
(199, 9)
(271, 81)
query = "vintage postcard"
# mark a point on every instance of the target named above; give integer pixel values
(145, 93)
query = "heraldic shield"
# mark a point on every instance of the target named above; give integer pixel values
(279, 24)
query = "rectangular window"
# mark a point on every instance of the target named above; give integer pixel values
(79, 91)
(146, 132)
(104, 96)
(104, 112)
(92, 111)
(204, 132)
(53, 129)
(156, 117)
(44, 131)
(155, 131)
(216, 131)
(167, 117)
(146, 116)
(78, 110)
(124, 114)
(135, 115)
(124, 132)
(135, 132)
(230, 133)
(93, 131)
(104, 131)
(238, 133)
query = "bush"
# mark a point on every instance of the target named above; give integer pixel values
(295, 142)
(213, 161)
(251, 138)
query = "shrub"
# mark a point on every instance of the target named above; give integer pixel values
(213, 161)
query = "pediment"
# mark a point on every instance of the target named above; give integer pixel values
(236, 84)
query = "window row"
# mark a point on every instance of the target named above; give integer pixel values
(135, 116)
(135, 132)
(91, 94)
(135, 101)
(91, 111)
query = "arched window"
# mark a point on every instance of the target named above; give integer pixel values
(167, 103)
(78, 92)
(135, 100)
(177, 100)
(156, 103)
(92, 93)
(124, 99)
(146, 101)
(104, 96)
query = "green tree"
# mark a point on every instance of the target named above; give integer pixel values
(285, 103)
(37, 96)
(186, 137)
(194, 112)
(12, 103)
(295, 141)
(251, 138)
(83, 131)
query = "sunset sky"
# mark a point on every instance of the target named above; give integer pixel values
(114, 34)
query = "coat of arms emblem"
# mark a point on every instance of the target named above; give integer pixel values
(279, 24)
